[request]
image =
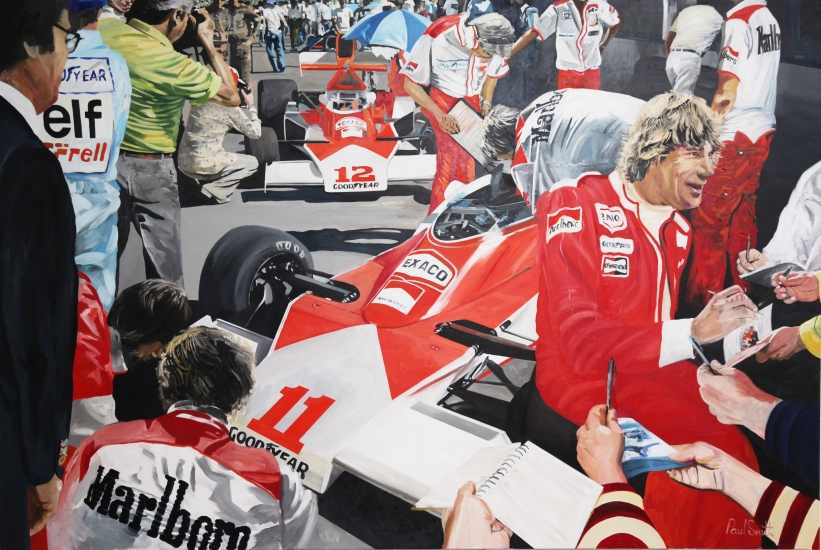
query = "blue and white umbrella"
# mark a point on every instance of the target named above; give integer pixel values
(396, 28)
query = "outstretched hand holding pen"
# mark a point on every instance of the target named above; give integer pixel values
(734, 399)
(801, 286)
(726, 311)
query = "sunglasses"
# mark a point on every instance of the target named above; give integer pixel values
(72, 38)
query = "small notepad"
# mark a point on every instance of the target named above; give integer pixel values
(540, 498)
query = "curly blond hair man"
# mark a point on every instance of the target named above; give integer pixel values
(611, 252)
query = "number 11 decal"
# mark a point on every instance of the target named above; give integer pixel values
(290, 438)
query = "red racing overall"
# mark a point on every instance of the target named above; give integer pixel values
(726, 216)
(602, 295)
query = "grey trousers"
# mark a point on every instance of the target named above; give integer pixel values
(221, 185)
(151, 201)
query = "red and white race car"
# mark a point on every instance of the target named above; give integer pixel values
(375, 371)
(341, 138)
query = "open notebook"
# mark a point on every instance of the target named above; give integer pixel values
(470, 130)
(763, 275)
(540, 498)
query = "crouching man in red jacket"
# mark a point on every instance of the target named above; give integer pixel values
(612, 252)
(179, 479)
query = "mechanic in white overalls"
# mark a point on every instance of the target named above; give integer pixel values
(84, 129)
(583, 29)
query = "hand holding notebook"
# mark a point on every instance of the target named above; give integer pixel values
(541, 499)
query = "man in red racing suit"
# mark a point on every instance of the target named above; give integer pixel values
(611, 256)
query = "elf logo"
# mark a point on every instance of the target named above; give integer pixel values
(564, 220)
(424, 265)
(611, 217)
(615, 266)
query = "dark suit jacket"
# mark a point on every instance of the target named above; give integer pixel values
(38, 298)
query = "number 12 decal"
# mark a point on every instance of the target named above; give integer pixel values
(290, 438)
(359, 174)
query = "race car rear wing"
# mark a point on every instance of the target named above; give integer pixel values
(484, 339)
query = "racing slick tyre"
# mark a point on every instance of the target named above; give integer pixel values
(238, 270)
(273, 98)
(265, 149)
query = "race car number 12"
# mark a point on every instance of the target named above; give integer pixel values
(315, 407)
(359, 174)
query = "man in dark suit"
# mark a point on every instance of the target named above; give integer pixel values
(38, 277)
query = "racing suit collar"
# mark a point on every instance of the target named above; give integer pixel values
(630, 199)
(211, 411)
(746, 4)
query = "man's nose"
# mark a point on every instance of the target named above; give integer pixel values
(708, 166)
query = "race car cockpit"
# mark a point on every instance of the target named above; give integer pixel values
(487, 209)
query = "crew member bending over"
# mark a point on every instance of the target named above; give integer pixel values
(179, 478)
(458, 60)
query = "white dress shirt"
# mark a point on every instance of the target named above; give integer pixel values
(21, 103)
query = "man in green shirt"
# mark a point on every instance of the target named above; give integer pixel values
(162, 81)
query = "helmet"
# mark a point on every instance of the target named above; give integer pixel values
(348, 101)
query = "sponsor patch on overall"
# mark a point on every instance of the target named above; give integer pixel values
(615, 266)
(611, 217)
(452, 64)
(564, 220)
(567, 15)
(615, 245)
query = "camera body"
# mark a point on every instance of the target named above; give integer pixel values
(190, 37)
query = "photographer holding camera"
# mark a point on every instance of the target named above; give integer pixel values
(162, 81)
(202, 156)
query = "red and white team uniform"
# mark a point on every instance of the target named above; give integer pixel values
(578, 38)
(175, 480)
(441, 59)
(750, 52)
(610, 267)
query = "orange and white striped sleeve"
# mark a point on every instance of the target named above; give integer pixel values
(790, 519)
(619, 521)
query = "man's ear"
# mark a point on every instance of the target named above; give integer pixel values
(32, 51)
(179, 15)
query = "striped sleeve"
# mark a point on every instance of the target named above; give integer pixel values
(619, 521)
(789, 518)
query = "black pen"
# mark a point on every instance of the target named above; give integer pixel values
(611, 379)
(747, 254)
(766, 300)
(700, 353)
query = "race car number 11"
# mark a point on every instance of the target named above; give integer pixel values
(291, 438)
